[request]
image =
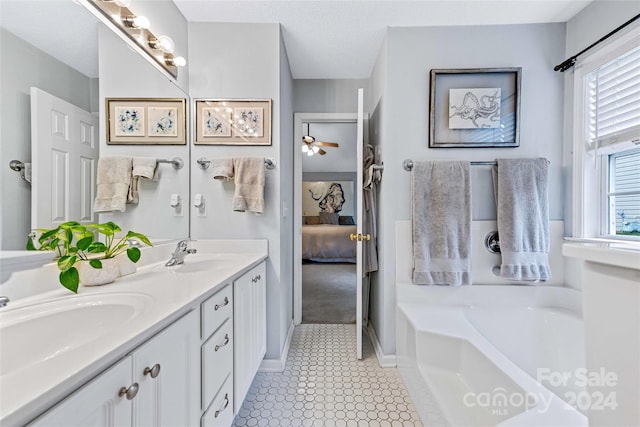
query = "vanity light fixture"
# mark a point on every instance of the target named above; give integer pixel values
(134, 30)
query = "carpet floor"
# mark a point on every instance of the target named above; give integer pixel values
(328, 293)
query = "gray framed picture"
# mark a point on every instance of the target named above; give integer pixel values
(474, 107)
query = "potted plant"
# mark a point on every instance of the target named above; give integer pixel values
(78, 253)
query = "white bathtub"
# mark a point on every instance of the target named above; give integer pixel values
(473, 355)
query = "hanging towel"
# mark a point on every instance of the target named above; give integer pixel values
(142, 168)
(113, 181)
(371, 179)
(520, 187)
(248, 175)
(441, 193)
(222, 169)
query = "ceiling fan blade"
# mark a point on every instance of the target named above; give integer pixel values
(322, 152)
(327, 144)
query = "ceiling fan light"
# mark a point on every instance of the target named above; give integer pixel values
(305, 149)
(315, 149)
(310, 153)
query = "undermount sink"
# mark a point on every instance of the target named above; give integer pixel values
(39, 332)
(205, 262)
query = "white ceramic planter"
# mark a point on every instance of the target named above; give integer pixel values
(125, 265)
(90, 276)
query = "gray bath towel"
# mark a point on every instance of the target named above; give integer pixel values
(523, 218)
(441, 223)
(249, 178)
(113, 180)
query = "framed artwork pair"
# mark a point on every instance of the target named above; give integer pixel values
(162, 121)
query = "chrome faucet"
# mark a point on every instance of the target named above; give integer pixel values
(181, 251)
(4, 301)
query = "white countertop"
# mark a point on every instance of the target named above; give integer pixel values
(163, 296)
(626, 255)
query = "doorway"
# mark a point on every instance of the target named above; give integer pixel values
(338, 274)
(328, 198)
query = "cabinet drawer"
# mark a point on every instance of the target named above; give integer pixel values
(217, 361)
(215, 310)
(220, 413)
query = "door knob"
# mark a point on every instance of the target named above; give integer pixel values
(154, 371)
(130, 392)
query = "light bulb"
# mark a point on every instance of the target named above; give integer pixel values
(137, 22)
(310, 153)
(166, 44)
(315, 149)
(163, 43)
(179, 61)
(305, 149)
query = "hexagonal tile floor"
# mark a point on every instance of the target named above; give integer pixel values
(324, 385)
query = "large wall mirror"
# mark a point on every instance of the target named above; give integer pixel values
(60, 48)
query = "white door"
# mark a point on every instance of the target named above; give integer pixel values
(64, 155)
(96, 404)
(167, 369)
(359, 218)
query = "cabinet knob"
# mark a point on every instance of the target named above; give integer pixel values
(154, 371)
(256, 278)
(219, 306)
(226, 341)
(130, 392)
(226, 403)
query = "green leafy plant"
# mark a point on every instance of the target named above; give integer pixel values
(74, 242)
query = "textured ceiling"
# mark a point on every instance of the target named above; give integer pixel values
(341, 39)
(324, 39)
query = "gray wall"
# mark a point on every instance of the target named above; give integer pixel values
(125, 74)
(379, 293)
(403, 127)
(327, 96)
(23, 66)
(588, 26)
(286, 196)
(249, 64)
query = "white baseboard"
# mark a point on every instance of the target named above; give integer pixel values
(384, 360)
(277, 365)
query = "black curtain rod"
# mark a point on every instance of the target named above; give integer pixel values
(564, 66)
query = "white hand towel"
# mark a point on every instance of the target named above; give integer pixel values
(113, 181)
(249, 181)
(142, 168)
(521, 187)
(441, 223)
(222, 169)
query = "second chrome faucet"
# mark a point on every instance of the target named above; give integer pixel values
(181, 251)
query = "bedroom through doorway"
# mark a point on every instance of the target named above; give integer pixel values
(328, 198)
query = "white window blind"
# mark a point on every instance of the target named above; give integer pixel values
(613, 103)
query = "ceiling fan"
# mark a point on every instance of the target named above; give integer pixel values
(311, 146)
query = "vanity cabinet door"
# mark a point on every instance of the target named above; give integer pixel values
(97, 403)
(250, 333)
(167, 367)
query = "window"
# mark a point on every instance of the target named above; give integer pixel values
(610, 143)
(624, 194)
(613, 125)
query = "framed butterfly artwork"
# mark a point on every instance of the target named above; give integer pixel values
(474, 107)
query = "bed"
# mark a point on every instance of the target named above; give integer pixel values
(328, 243)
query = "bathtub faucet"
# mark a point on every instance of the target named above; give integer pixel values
(181, 251)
